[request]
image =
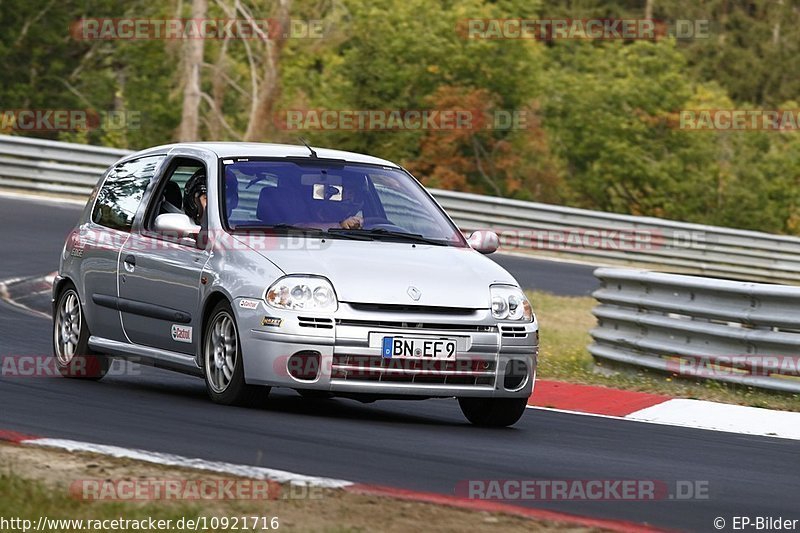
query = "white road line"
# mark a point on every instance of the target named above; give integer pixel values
(70, 201)
(251, 472)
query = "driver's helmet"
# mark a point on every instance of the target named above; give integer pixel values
(194, 189)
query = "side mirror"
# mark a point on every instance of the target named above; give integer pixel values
(177, 225)
(485, 241)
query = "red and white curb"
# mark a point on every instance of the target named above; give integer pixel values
(14, 290)
(660, 409)
(282, 476)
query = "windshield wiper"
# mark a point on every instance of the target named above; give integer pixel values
(287, 227)
(317, 232)
(380, 232)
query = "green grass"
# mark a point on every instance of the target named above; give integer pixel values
(564, 329)
(30, 498)
(26, 499)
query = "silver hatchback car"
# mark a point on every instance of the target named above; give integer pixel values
(260, 265)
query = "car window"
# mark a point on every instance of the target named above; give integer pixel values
(401, 208)
(322, 194)
(242, 193)
(122, 192)
(170, 197)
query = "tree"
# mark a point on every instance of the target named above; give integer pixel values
(494, 156)
(192, 61)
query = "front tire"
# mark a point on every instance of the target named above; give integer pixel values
(74, 358)
(493, 412)
(222, 361)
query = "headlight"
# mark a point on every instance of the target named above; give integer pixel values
(510, 303)
(302, 293)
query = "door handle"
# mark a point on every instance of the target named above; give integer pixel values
(130, 263)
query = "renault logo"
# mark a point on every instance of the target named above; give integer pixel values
(415, 293)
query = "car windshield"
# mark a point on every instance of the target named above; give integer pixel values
(340, 199)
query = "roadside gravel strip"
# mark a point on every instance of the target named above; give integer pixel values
(78, 491)
(289, 478)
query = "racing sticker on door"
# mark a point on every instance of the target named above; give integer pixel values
(181, 333)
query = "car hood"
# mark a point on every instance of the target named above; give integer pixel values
(383, 272)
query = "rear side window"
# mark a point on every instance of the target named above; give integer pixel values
(122, 192)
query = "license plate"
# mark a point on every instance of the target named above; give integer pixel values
(405, 348)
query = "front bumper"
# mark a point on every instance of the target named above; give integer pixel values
(494, 359)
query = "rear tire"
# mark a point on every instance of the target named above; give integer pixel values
(74, 358)
(493, 412)
(223, 366)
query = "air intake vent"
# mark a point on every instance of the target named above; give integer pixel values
(312, 322)
(513, 331)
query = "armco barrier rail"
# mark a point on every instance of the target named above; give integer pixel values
(597, 237)
(610, 238)
(738, 332)
(53, 166)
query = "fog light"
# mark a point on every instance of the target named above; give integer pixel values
(304, 366)
(516, 375)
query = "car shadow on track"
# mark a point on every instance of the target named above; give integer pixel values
(351, 409)
(286, 401)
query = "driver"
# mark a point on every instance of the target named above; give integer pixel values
(195, 196)
(347, 211)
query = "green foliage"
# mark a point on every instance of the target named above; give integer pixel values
(604, 130)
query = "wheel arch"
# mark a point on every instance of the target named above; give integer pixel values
(58, 286)
(212, 300)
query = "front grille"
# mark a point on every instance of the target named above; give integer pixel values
(387, 324)
(428, 309)
(470, 372)
(312, 322)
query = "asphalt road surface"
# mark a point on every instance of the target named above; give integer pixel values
(423, 445)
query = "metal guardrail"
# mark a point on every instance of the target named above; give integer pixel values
(609, 238)
(737, 332)
(593, 236)
(37, 164)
